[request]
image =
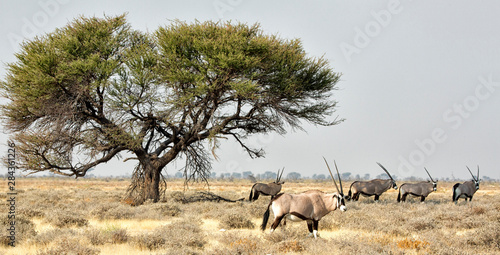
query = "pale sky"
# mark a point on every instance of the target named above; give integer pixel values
(420, 84)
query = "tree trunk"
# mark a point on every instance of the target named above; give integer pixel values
(147, 179)
(152, 178)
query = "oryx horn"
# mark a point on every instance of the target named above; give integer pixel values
(472, 174)
(429, 174)
(278, 176)
(477, 172)
(385, 171)
(340, 181)
(282, 170)
(333, 179)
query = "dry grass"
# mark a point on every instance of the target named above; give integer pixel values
(61, 216)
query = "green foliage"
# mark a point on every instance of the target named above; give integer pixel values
(238, 62)
(86, 92)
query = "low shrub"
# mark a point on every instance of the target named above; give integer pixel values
(119, 236)
(236, 221)
(52, 235)
(176, 235)
(65, 219)
(239, 242)
(168, 210)
(24, 229)
(96, 236)
(69, 246)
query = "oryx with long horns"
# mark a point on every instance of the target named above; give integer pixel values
(270, 189)
(369, 188)
(421, 189)
(310, 206)
(466, 189)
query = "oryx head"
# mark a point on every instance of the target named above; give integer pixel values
(394, 186)
(434, 183)
(340, 193)
(278, 177)
(476, 180)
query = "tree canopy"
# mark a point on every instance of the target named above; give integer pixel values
(86, 92)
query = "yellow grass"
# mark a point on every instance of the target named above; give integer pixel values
(435, 227)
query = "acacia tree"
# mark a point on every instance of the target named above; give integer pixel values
(84, 93)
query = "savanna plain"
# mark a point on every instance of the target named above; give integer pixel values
(90, 216)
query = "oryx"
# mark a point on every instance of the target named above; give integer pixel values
(270, 189)
(421, 189)
(310, 206)
(466, 189)
(369, 188)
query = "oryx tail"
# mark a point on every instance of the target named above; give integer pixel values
(265, 218)
(455, 191)
(251, 193)
(349, 194)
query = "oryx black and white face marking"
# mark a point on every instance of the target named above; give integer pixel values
(394, 185)
(340, 202)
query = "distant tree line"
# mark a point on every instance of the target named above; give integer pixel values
(292, 176)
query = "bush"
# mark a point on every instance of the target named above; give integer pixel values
(119, 236)
(24, 229)
(31, 212)
(66, 219)
(180, 234)
(169, 210)
(236, 221)
(96, 237)
(52, 235)
(239, 242)
(69, 246)
(114, 211)
(488, 236)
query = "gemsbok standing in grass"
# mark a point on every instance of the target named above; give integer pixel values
(466, 189)
(421, 189)
(310, 206)
(369, 188)
(270, 189)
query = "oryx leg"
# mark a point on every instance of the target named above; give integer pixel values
(403, 197)
(355, 196)
(256, 195)
(422, 199)
(276, 222)
(315, 228)
(377, 197)
(310, 227)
